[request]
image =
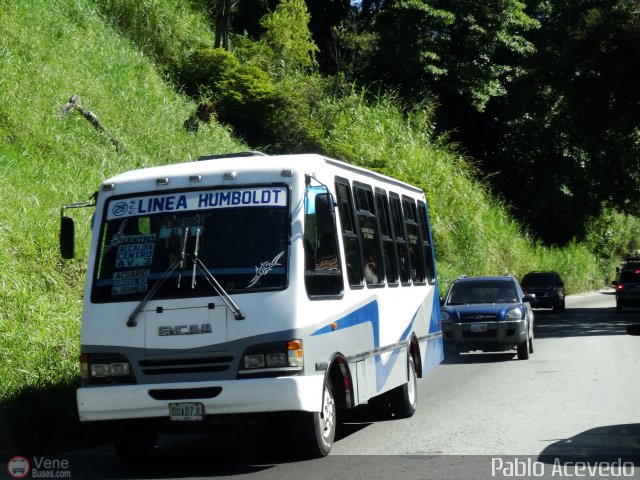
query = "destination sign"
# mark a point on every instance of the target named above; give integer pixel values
(199, 200)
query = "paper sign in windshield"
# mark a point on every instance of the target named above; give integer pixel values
(193, 201)
(130, 281)
(135, 251)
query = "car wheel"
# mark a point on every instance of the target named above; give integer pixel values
(531, 344)
(523, 350)
(619, 307)
(559, 306)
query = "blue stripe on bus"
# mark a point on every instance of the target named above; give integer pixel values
(369, 313)
(435, 351)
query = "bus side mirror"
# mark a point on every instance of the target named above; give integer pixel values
(67, 237)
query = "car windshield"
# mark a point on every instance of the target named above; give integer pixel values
(532, 279)
(481, 291)
(241, 236)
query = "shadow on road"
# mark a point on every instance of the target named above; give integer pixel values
(579, 322)
(234, 451)
(608, 443)
(453, 357)
(241, 449)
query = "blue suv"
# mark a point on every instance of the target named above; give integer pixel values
(488, 314)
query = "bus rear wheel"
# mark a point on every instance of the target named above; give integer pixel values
(321, 426)
(404, 399)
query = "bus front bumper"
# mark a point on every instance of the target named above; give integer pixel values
(280, 394)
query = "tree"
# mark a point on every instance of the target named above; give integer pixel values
(325, 15)
(567, 138)
(486, 45)
(286, 32)
(411, 35)
(223, 19)
(462, 50)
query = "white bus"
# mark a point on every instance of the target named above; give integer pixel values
(230, 286)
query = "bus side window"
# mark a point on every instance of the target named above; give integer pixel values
(400, 237)
(386, 235)
(415, 244)
(369, 235)
(349, 235)
(427, 246)
(322, 268)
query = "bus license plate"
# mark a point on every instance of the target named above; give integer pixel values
(186, 412)
(478, 327)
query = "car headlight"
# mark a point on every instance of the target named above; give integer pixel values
(515, 314)
(445, 317)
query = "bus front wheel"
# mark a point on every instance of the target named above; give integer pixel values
(321, 426)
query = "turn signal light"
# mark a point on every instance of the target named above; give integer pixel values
(295, 353)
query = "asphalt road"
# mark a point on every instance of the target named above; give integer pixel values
(576, 398)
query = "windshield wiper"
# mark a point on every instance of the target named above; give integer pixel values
(218, 288)
(183, 254)
(195, 259)
(180, 263)
(132, 322)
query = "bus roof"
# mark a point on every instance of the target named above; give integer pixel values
(247, 162)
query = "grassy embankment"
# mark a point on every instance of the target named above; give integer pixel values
(52, 49)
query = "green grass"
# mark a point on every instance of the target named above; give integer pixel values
(51, 49)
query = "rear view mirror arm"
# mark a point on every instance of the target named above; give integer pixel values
(67, 229)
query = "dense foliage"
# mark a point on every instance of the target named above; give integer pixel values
(542, 94)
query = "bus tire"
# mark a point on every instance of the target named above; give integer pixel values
(321, 426)
(135, 441)
(404, 399)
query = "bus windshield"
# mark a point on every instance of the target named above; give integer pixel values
(240, 236)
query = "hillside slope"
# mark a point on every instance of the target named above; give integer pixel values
(50, 50)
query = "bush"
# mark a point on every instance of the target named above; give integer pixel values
(243, 96)
(612, 236)
(294, 125)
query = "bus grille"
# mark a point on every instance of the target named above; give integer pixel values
(173, 365)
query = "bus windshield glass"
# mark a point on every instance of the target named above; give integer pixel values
(240, 236)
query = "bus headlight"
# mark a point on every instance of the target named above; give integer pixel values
(254, 360)
(104, 369)
(284, 356)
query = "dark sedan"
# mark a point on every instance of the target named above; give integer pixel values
(548, 289)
